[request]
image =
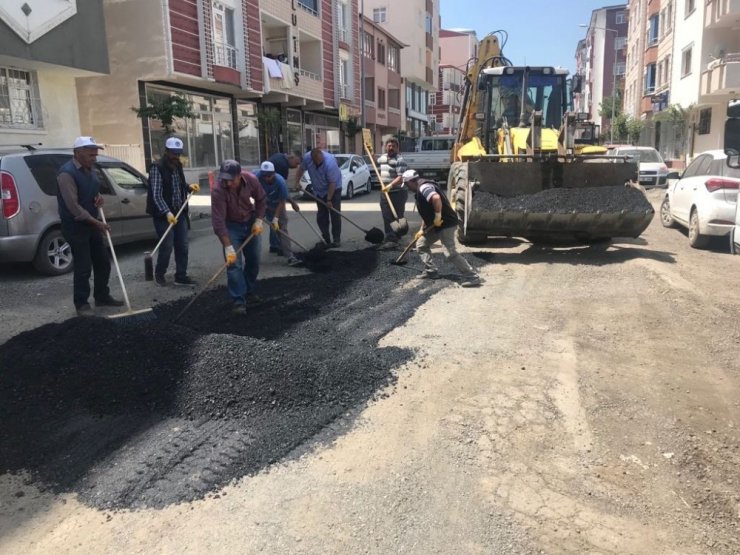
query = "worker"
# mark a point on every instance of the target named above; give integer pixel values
(326, 180)
(238, 205)
(78, 198)
(283, 164)
(439, 224)
(392, 165)
(166, 195)
(276, 192)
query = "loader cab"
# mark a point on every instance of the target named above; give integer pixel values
(512, 94)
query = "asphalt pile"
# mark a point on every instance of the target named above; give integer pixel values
(588, 200)
(156, 412)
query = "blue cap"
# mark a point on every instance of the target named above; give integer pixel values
(229, 169)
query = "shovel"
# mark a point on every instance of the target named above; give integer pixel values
(401, 260)
(374, 235)
(148, 256)
(400, 226)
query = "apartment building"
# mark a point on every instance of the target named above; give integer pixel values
(457, 48)
(600, 59)
(383, 109)
(416, 23)
(38, 68)
(261, 76)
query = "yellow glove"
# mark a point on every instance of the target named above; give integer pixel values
(171, 218)
(257, 226)
(230, 255)
(194, 188)
(438, 219)
(419, 234)
(275, 224)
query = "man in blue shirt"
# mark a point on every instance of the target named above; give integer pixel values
(276, 191)
(326, 179)
(283, 164)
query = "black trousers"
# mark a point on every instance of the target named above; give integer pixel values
(324, 215)
(90, 258)
(398, 198)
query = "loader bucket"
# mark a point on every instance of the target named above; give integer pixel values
(579, 199)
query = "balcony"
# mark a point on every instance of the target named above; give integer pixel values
(721, 76)
(280, 84)
(224, 55)
(721, 13)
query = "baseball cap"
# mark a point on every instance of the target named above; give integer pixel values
(86, 142)
(408, 175)
(229, 169)
(267, 167)
(173, 144)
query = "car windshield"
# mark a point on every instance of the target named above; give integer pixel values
(342, 161)
(643, 155)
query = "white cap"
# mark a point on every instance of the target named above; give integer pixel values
(173, 144)
(86, 142)
(267, 166)
(408, 175)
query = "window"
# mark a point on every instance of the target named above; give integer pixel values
(696, 165)
(370, 89)
(381, 98)
(224, 44)
(311, 6)
(381, 52)
(619, 68)
(652, 34)
(344, 88)
(705, 121)
(124, 178)
(393, 59)
(20, 106)
(686, 62)
(428, 23)
(368, 45)
(689, 7)
(394, 99)
(344, 21)
(650, 79)
(379, 15)
(621, 18)
(620, 43)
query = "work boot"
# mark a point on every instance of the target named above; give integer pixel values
(388, 245)
(238, 307)
(471, 281)
(428, 274)
(187, 280)
(109, 301)
(159, 280)
(293, 261)
(85, 311)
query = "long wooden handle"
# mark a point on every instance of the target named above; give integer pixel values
(115, 259)
(411, 244)
(166, 231)
(380, 180)
(316, 231)
(213, 278)
(317, 199)
(281, 232)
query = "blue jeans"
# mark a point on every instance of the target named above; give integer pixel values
(241, 278)
(176, 239)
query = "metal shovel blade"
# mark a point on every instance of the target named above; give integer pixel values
(400, 226)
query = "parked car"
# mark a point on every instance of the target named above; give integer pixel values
(653, 171)
(355, 176)
(703, 199)
(30, 229)
(374, 182)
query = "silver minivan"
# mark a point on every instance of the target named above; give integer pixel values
(30, 229)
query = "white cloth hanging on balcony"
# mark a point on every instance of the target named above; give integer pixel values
(287, 72)
(273, 67)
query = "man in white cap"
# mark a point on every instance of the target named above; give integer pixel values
(168, 191)
(440, 223)
(276, 192)
(78, 199)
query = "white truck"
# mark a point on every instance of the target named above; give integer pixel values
(432, 157)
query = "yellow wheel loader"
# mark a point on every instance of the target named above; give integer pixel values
(521, 166)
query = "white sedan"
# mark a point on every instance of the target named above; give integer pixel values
(355, 176)
(704, 199)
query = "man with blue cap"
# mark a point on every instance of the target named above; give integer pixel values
(276, 191)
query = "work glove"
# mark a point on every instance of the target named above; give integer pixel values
(230, 255)
(194, 188)
(275, 224)
(386, 188)
(257, 226)
(171, 218)
(438, 219)
(419, 234)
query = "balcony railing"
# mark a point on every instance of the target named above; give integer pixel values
(344, 90)
(224, 55)
(721, 13)
(721, 76)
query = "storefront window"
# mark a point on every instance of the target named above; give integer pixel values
(294, 142)
(249, 148)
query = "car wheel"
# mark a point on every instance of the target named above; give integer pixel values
(665, 214)
(350, 190)
(54, 255)
(696, 239)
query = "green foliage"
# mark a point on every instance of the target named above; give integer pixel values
(166, 110)
(352, 127)
(634, 129)
(605, 108)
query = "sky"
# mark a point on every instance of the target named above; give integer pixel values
(541, 32)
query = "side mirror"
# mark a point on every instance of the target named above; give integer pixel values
(673, 175)
(733, 109)
(732, 136)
